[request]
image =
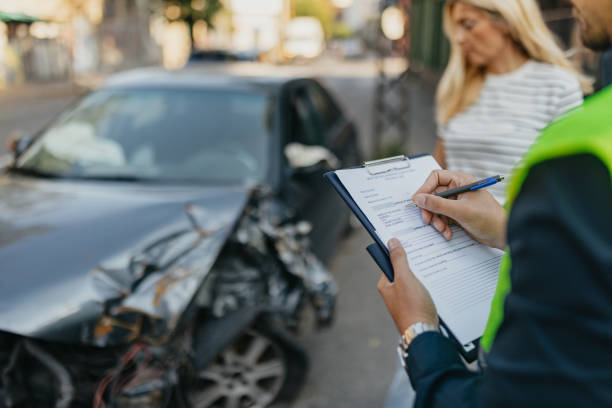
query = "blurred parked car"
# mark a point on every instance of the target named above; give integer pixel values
(199, 56)
(160, 239)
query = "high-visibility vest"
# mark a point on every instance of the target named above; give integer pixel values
(586, 130)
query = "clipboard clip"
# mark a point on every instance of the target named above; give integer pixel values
(381, 166)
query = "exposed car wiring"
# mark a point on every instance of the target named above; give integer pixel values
(113, 375)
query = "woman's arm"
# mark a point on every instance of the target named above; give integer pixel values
(439, 154)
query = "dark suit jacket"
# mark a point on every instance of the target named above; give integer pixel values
(554, 347)
(606, 68)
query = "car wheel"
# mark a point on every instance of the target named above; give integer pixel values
(255, 371)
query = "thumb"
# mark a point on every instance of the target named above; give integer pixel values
(398, 258)
(439, 205)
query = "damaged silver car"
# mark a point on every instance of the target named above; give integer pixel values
(161, 238)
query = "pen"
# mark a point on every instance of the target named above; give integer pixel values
(489, 181)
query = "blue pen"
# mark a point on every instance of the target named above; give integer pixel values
(489, 181)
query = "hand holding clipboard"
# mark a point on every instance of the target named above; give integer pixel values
(460, 275)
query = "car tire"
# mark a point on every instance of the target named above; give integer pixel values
(264, 366)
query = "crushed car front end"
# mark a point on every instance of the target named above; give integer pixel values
(152, 324)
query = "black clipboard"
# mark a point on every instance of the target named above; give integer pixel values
(378, 250)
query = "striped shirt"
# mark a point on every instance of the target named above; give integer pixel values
(492, 135)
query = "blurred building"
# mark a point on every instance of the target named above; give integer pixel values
(258, 25)
(243, 29)
(359, 12)
(56, 39)
(124, 34)
(29, 49)
(255, 27)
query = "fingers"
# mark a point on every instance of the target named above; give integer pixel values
(397, 253)
(441, 206)
(440, 189)
(399, 260)
(431, 183)
(444, 178)
(440, 223)
(383, 283)
(438, 181)
(448, 233)
(426, 215)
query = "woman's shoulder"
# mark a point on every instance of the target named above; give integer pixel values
(549, 75)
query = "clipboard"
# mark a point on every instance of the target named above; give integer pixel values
(378, 250)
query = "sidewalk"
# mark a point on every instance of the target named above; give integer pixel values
(27, 108)
(36, 91)
(46, 90)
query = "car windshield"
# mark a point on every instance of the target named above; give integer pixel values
(163, 135)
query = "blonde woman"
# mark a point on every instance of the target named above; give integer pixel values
(506, 80)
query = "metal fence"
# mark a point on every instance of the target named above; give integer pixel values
(429, 48)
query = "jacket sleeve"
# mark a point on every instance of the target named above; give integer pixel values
(438, 374)
(552, 348)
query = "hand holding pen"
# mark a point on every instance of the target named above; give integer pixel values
(477, 212)
(477, 185)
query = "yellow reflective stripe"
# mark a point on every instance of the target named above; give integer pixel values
(496, 316)
(587, 130)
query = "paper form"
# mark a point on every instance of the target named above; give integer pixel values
(460, 274)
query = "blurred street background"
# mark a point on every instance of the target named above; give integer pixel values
(380, 58)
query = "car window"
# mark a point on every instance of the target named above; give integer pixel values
(329, 114)
(305, 125)
(188, 135)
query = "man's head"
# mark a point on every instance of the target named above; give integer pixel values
(595, 19)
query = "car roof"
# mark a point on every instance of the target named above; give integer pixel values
(203, 76)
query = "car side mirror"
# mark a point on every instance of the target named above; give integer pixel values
(18, 141)
(304, 158)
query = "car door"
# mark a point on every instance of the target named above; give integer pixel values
(340, 132)
(313, 199)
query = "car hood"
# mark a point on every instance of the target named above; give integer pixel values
(104, 263)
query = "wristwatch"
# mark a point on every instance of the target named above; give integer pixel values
(409, 335)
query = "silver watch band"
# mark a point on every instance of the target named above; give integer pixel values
(410, 334)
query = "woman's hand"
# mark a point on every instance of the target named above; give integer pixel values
(477, 211)
(406, 298)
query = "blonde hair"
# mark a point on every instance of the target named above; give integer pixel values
(462, 83)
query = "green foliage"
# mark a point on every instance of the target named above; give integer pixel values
(190, 15)
(342, 30)
(322, 10)
(391, 149)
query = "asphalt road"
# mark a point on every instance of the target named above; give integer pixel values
(352, 363)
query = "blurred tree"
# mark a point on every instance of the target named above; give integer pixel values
(342, 30)
(322, 10)
(75, 6)
(191, 11)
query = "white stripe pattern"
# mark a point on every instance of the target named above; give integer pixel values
(492, 135)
